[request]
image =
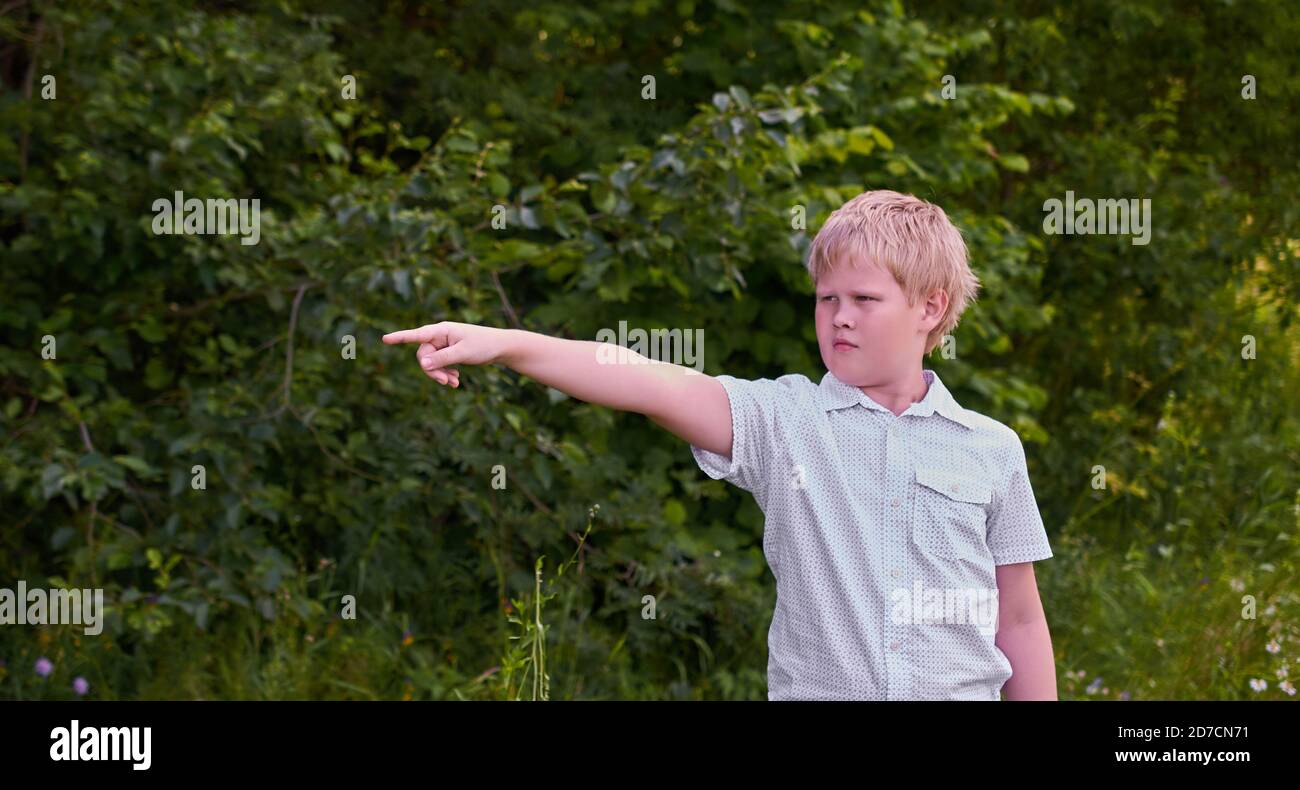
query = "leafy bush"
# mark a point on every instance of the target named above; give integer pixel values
(330, 474)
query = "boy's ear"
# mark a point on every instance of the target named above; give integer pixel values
(936, 304)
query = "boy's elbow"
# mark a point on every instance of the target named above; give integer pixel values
(696, 410)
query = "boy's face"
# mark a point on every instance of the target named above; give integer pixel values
(866, 306)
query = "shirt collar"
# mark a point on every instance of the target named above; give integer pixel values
(835, 394)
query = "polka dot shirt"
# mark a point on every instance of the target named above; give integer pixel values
(883, 532)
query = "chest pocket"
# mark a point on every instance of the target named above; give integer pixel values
(949, 516)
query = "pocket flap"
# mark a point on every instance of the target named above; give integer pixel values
(955, 486)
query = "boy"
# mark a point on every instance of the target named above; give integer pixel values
(882, 496)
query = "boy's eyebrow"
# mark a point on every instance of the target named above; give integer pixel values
(856, 292)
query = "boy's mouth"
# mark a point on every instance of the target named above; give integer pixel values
(841, 344)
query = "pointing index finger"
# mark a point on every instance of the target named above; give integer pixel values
(424, 334)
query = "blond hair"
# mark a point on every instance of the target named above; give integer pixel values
(911, 239)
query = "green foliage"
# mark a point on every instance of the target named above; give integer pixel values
(328, 475)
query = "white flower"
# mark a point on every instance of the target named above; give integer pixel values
(1258, 684)
(1237, 585)
(1273, 647)
(1287, 687)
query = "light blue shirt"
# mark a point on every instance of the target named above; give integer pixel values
(883, 532)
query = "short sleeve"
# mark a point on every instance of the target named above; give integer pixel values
(753, 405)
(1015, 527)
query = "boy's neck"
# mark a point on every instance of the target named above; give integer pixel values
(897, 396)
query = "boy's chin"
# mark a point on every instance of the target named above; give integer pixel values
(857, 372)
(853, 372)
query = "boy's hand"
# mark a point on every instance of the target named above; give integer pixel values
(448, 343)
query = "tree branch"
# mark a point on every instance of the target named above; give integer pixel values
(288, 351)
(505, 302)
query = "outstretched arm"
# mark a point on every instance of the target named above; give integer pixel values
(690, 405)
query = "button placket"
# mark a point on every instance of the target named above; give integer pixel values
(898, 517)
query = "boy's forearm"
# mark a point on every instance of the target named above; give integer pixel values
(1028, 646)
(581, 369)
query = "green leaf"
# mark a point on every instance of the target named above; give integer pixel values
(1014, 162)
(604, 198)
(156, 374)
(882, 139)
(462, 143)
(574, 453)
(861, 141)
(137, 465)
(150, 329)
(336, 152)
(674, 512)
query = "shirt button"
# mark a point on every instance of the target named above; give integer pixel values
(893, 645)
(895, 573)
(896, 502)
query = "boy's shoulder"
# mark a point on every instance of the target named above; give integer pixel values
(791, 391)
(997, 440)
(984, 424)
(790, 381)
